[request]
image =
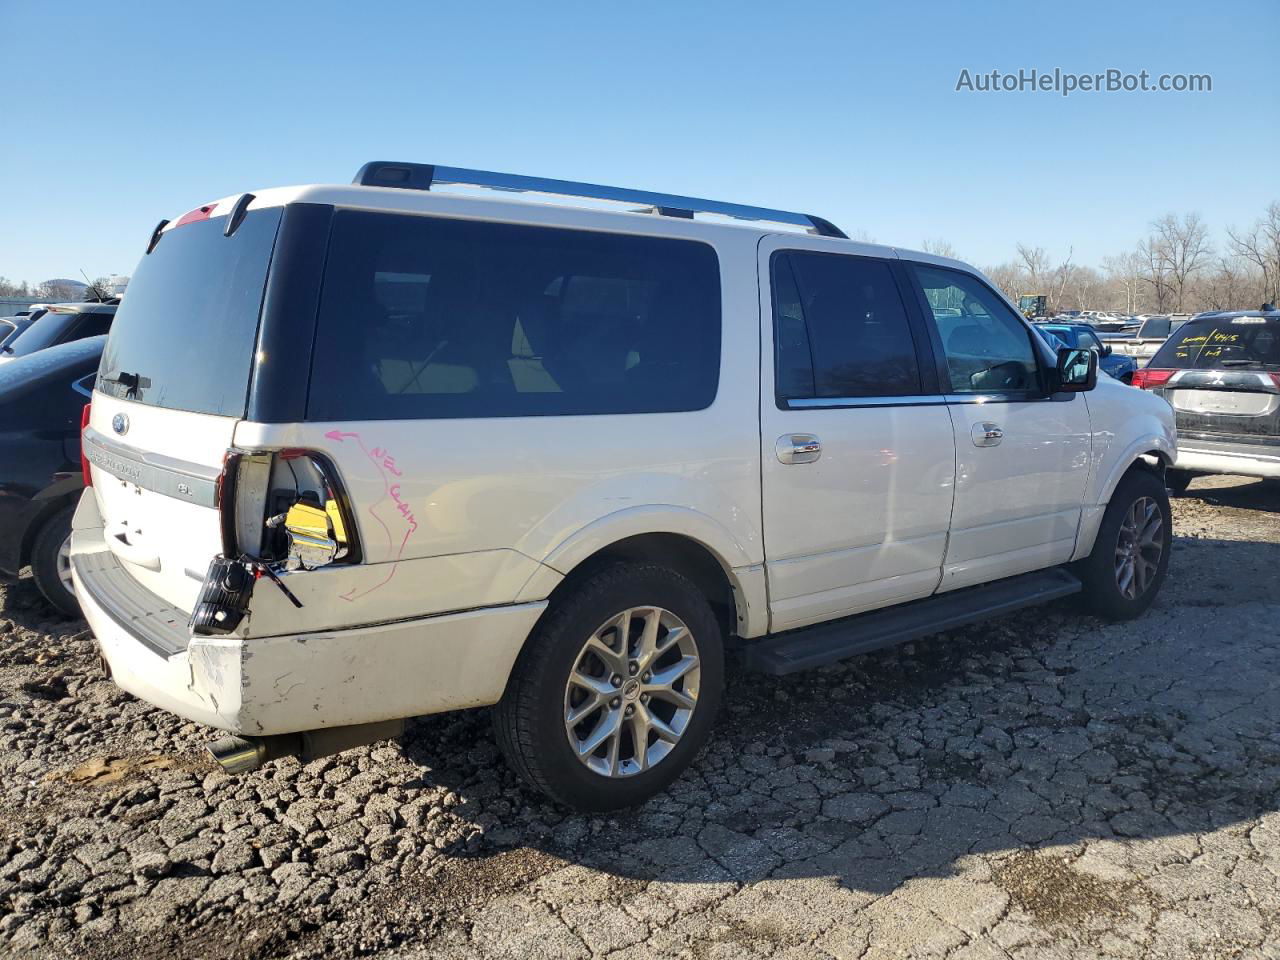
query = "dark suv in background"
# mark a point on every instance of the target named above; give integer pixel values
(61, 323)
(42, 397)
(1221, 374)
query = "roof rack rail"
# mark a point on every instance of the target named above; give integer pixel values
(423, 176)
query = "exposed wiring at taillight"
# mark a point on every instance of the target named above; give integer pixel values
(84, 460)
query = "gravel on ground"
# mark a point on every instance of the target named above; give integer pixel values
(1041, 786)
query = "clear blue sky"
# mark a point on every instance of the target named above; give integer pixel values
(132, 112)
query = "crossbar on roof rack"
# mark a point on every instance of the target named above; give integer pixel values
(423, 176)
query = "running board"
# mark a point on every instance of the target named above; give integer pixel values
(835, 640)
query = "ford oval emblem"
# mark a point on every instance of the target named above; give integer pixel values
(120, 423)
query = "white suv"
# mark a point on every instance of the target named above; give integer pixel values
(361, 453)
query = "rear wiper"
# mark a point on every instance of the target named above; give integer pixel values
(132, 382)
(1249, 363)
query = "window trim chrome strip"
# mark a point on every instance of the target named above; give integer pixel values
(807, 403)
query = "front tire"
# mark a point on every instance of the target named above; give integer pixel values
(1130, 557)
(616, 690)
(51, 562)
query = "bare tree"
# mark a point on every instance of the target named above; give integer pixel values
(98, 289)
(1155, 273)
(1009, 277)
(1233, 283)
(55, 291)
(1124, 272)
(1182, 246)
(1061, 276)
(1035, 262)
(1085, 288)
(939, 248)
(1261, 247)
(10, 289)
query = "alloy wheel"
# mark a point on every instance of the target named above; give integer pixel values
(632, 691)
(64, 566)
(1139, 547)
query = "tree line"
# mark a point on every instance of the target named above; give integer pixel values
(1176, 268)
(54, 291)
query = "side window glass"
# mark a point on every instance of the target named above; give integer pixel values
(94, 324)
(988, 349)
(424, 317)
(840, 328)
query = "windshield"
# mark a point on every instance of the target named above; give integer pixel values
(184, 337)
(1240, 342)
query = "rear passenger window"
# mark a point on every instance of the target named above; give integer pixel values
(422, 317)
(840, 329)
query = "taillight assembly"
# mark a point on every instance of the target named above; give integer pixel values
(1148, 379)
(84, 460)
(280, 511)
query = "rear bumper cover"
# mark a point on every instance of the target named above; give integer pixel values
(291, 683)
(1243, 459)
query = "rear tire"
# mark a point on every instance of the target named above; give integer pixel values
(1130, 557)
(573, 666)
(1177, 481)
(51, 562)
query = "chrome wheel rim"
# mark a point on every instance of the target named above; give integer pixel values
(1139, 548)
(632, 692)
(64, 566)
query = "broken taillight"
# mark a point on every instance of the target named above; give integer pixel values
(280, 511)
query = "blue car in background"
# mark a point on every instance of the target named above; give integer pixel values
(1080, 335)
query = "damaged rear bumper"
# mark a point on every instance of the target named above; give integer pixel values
(292, 682)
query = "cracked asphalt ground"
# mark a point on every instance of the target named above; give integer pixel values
(1045, 785)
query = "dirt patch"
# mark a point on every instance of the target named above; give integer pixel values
(1053, 892)
(111, 770)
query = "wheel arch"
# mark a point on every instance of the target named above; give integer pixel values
(684, 540)
(1149, 453)
(49, 509)
(1154, 459)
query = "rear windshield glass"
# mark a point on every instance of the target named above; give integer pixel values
(422, 318)
(185, 333)
(51, 328)
(1242, 342)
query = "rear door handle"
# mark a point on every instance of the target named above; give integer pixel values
(986, 434)
(798, 448)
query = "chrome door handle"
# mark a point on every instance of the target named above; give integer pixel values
(986, 434)
(798, 448)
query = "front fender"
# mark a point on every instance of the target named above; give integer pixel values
(1163, 444)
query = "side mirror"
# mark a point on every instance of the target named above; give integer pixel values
(1077, 370)
(1106, 349)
